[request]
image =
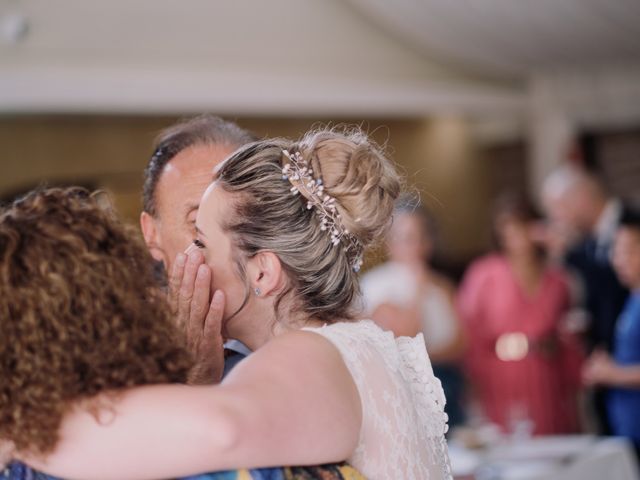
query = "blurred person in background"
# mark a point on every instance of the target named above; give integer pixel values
(620, 371)
(523, 366)
(82, 314)
(179, 171)
(584, 218)
(406, 296)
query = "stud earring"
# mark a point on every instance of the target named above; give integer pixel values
(258, 292)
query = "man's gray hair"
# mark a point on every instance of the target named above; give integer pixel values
(201, 130)
(566, 178)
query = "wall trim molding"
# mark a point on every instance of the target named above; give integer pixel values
(143, 90)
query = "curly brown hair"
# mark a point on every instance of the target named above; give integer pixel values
(80, 313)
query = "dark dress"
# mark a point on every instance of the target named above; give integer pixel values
(604, 300)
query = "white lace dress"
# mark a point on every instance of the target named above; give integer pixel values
(403, 419)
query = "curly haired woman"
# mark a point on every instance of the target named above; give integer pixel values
(80, 315)
(284, 227)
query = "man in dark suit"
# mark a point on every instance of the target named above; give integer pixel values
(578, 204)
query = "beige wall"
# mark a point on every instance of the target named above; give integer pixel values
(438, 156)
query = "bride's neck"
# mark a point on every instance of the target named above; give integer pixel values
(263, 328)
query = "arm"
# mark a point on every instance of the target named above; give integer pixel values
(627, 376)
(291, 402)
(402, 321)
(454, 349)
(6, 451)
(408, 320)
(601, 369)
(470, 304)
(571, 349)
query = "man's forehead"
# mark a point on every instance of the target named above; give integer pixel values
(196, 160)
(186, 176)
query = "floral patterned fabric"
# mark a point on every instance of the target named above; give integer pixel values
(19, 471)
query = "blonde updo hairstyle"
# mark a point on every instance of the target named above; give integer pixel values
(268, 217)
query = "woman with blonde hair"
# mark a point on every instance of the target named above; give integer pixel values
(284, 228)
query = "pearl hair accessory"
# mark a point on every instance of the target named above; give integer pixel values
(298, 172)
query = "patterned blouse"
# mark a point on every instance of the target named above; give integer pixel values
(19, 471)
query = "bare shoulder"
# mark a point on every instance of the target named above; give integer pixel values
(297, 354)
(292, 375)
(307, 340)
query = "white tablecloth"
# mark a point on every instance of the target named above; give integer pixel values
(549, 458)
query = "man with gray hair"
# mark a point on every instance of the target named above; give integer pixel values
(178, 173)
(579, 205)
(180, 170)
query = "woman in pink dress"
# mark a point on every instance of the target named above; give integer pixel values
(522, 364)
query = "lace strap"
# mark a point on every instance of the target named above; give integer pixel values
(428, 396)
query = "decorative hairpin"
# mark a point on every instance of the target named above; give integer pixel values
(300, 174)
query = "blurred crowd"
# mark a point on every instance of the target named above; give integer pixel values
(542, 335)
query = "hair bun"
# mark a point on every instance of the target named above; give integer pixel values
(358, 175)
(317, 204)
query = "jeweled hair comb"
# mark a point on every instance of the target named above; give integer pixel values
(300, 174)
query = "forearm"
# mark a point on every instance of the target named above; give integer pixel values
(151, 432)
(403, 322)
(261, 415)
(626, 376)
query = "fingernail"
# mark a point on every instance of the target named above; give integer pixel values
(181, 259)
(194, 257)
(218, 296)
(202, 269)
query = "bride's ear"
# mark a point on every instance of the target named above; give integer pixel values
(265, 274)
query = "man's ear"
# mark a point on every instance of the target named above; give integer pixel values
(149, 228)
(265, 274)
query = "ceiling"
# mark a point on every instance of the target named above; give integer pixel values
(282, 57)
(514, 37)
(291, 57)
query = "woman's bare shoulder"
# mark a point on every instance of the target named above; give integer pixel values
(296, 354)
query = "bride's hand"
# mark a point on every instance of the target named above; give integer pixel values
(197, 316)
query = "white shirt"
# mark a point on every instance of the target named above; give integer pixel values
(607, 225)
(394, 283)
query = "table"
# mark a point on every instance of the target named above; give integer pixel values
(573, 457)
